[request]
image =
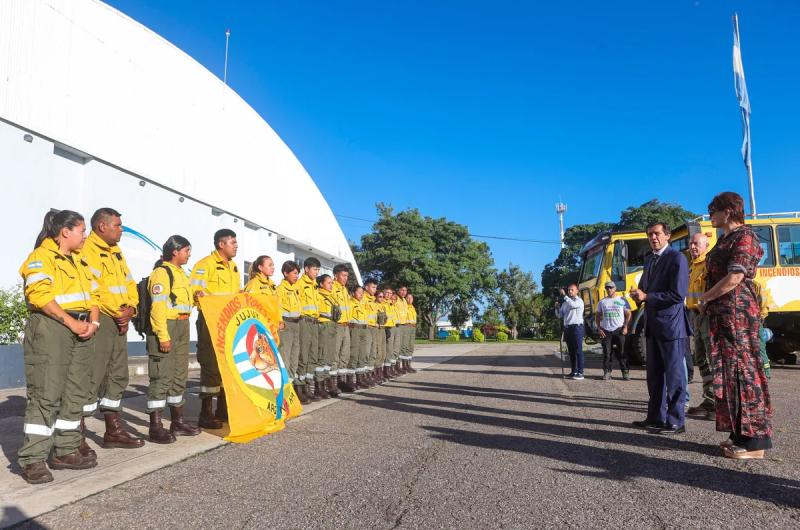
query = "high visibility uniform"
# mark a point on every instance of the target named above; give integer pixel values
(289, 299)
(310, 365)
(116, 288)
(391, 332)
(327, 332)
(342, 349)
(412, 334)
(401, 343)
(169, 318)
(700, 341)
(376, 335)
(360, 336)
(260, 284)
(213, 276)
(57, 363)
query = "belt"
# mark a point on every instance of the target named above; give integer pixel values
(291, 319)
(309, 319)
(345, 324)
(182, 316)
(572, 325)
(83, 316)
(358, 326)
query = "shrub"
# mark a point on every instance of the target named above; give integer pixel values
(13, 315)
(502, 336)
(477, 336)
(453, 336)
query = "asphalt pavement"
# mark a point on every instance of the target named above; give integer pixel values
(492, 438)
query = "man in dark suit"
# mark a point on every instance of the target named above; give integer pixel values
(662, 289)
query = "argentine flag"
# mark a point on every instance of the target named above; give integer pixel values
(741, 93)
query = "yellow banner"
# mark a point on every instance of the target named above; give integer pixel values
(244, 332)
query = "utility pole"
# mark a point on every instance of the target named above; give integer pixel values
(561, 209)
(225, 71)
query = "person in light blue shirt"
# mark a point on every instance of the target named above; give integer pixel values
(570, 309)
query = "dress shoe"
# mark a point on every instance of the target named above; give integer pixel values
(37, 473)
(740, 453)
(72, 461)
(116, 436)
(178, 425)
(646, 424)
(668, 429)
(158, 434)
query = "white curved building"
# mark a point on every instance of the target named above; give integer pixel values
(97, 110)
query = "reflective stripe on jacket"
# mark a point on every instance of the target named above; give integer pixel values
(309, 296)
(289, 298)
(213, 276)
(162, 308)
(49, 276)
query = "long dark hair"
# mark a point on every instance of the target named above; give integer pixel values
(173, 244)
(321, 278)
(256, 264)
(55, 221)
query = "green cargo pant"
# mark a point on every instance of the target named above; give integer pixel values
(701, 350)
(342, 357)
(359, 342)
(391, 335)
(309, 365)
(210, 378)
(375, 337)
(168, 371)
(382, 343)
(109, 370)
(290, 347)
(57, 375)
(327, 347)
(402, 349)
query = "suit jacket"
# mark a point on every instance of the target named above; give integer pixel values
(666, 283)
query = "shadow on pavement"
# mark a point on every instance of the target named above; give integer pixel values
(618, 465)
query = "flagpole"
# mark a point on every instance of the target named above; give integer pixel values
(752, 190)
(225, 68)
(744, 107)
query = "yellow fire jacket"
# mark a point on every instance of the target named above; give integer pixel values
(309, 297)
(412, 315)
(697, 282)
(371, 308)
(48, 275)
(342, 298)
(326, 303)
(391, 314)
(401, 308)
(162, 307)
(260, 284)
(116, 284)
(358, 315)
(289, 297)
(213, 276)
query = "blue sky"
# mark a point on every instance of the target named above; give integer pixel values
(488, 112)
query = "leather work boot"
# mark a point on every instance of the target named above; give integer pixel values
(319, 390)
(301, 393)
(409, 368)
(84, 448)
(72, 461)
(333, 386)
(178, 426)
(158, 434)
(37, 473)
(360, 385)
(367, 380)
(349, 383)
(386, 375)
(115, 436)
(376, 376)
(342, 381)
(310, 393)
(207, 419)
(222, 407)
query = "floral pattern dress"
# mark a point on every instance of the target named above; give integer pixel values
(740, 385)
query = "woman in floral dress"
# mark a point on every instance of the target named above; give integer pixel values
(743, 405)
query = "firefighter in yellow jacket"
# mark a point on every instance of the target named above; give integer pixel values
(391, 332)
(412, 333)
(118, 301)
(59, 341)
(216, 274)
(328, 322)
(401, 343)
(700, 341)
(310, 366)
(376, 342)
(168, 344)
(359, 340)
(289, 298)
(342, 349)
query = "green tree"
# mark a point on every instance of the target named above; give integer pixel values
(514, 299)
(638, 217)
(565, 268)
(460, 313)
(13, 315)
(436, 258)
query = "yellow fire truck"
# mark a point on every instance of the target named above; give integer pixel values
(619, 257)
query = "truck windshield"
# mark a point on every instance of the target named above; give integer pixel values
(637, 250)
(592, 263)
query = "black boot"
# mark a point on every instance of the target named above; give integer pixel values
(207, 419)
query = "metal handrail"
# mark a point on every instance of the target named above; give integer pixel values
(795, 215)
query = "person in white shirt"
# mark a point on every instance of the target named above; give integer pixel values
(613, 315)
(570, 309)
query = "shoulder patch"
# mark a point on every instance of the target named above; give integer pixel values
(35, 265)
(157, 288)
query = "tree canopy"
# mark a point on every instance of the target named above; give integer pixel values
(515, 298)
(436, 258)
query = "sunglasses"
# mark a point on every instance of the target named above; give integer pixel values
(610, 288)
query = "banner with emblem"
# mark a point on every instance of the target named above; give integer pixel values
(244, 331)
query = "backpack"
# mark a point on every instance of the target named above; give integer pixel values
(141, 321)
